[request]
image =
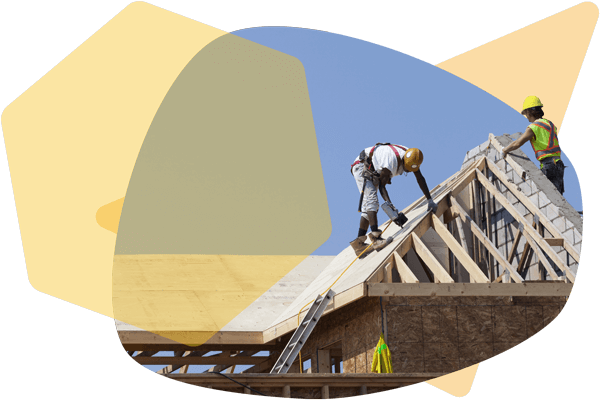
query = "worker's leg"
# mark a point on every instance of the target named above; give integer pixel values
(555, 174)
(359, 244)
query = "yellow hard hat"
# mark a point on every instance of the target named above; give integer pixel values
(531, 101)
(412, 159)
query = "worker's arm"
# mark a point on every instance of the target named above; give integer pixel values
(422, 184)
(385, 177)
(527, 136)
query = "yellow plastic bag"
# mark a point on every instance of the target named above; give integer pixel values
(382, 359)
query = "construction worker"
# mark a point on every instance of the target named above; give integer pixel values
(374, 168)
(543, 136)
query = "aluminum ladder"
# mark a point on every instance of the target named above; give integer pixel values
(287, 357)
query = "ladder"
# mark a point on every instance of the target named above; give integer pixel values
(287, 357)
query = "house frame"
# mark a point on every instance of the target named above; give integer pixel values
(492, 267)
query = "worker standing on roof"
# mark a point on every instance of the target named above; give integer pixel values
(374, 168)
(543, 136)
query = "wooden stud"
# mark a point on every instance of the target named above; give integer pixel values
(458, 251)
(247, 391)
(286, 391)
(406, 275)
(531, 207)
(325, 392)
(363, 390)
(438, 270)
(555, 241)
(528, 228)
(541, 289)
(541, 258)
(487, 243)
(513, 250)
(324, 366)
(488, 218)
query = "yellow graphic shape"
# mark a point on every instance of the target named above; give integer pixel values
(542, 59)
(227, 194)
(458, 383)
(189, 297)
(72, 140)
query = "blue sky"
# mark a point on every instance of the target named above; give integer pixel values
(362, 93)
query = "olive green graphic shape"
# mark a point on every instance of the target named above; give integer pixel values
(230, 164)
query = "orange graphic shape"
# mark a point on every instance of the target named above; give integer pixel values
(542, 59)
(108, 215)
(458, 383)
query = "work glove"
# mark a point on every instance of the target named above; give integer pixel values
(431, 206)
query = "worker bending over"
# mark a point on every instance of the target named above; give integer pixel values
(374, 168)
(543, 136)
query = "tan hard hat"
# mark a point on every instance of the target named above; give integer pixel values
(413, 158)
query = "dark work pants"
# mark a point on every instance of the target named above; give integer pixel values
(555, 172)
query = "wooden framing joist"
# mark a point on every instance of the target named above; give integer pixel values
(256, 381)
(469, 289)
(212, 360)
(526, 202)
(528, 228)
(205, 347)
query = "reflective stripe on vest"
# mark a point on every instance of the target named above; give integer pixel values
(546, 139)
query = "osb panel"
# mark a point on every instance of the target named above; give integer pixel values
(535, 323)
(467, 363)
(474, 324)
(431, 324)
(503, 346)
(378, 389)
(361, 364)
(541, 300)
(449, 350)
(550, 312)
(273, 392)
(477, 351)
(407, 365)
(432, 365)
(406, 350)
(405, 324)
(450, 365)
(509, 323)
(439, 324)
(370, 354)
(432, 351)
(338, 392)
(305, 393)
(350, 365)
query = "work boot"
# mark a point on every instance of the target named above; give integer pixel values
(359, 246)
(379, 242)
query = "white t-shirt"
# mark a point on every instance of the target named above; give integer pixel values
(384, 157)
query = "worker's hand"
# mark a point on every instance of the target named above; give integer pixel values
(431, 206)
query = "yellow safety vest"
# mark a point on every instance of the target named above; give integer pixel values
(545, 143)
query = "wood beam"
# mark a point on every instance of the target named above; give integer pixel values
(219, 368)
(531, 207)
(263, 366)
(438, 270)
(172, 368)
(324, 357)
(349, 380)
(515, 246)
(541, 258)
(487, 243)
(528, 228)
(199, 360)
(555, 241)
(464, 258)
(406, 275)
(470, 289)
